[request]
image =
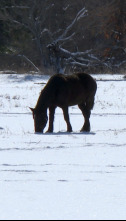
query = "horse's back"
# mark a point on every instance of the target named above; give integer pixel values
(74, 78)
(71, 89)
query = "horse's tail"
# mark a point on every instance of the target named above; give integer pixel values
(90, 102)
(91, 99)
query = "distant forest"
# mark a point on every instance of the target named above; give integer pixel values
(62, 36)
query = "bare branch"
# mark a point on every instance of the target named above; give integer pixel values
(81, 14)
(27, 59)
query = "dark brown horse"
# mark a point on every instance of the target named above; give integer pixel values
(64, 91)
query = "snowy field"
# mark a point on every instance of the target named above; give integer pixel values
(62, 176)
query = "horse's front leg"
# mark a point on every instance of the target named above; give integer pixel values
(51, 119)
(67, 119)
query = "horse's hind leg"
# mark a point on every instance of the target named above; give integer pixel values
(67, 119)
(86, 113)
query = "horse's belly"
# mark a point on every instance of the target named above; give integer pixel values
(75, 100)
(71, 97)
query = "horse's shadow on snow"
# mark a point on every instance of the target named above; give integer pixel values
(67, 134)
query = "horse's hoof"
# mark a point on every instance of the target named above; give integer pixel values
(49, 132)
(85, 130)
(69, 131)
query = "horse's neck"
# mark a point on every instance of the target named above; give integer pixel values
(42, 103)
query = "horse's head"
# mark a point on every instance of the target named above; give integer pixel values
(40, 120)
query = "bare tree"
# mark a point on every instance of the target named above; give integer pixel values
(100, 24)
(56, 49)
(67, 34)
(30, 15)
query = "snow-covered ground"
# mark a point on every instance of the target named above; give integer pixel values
(62, 176)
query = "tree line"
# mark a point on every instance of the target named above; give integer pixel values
(63, 36)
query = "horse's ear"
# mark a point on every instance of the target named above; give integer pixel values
(32, 109)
